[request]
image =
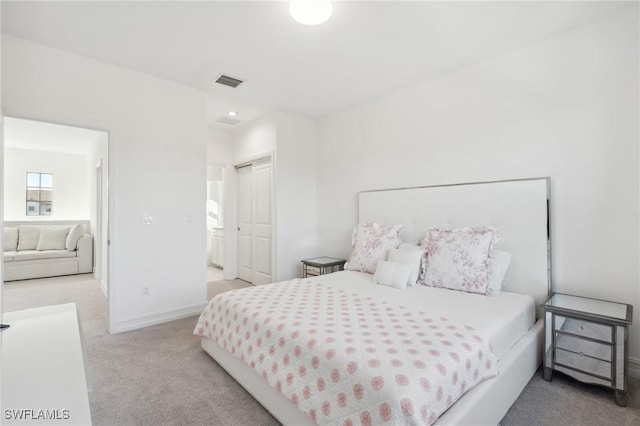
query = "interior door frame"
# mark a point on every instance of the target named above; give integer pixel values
(97, 251)
(244, 179)
(239, 164)
(111, 130)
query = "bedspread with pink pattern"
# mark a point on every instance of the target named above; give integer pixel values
(347, 359)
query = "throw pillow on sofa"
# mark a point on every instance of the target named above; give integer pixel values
(10, 238)
(29, 236)
(73, 237)
(52, 239)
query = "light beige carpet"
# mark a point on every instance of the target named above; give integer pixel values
(160, 375)
(156, 376)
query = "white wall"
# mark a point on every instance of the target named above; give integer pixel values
(219, 146)
(296, 182)
(255, 140)
(157, 140)
(566, 107)
(70, 191)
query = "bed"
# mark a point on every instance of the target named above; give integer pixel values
(339, 349)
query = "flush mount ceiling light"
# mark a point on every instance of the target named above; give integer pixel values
(232, 113)
(310, 12)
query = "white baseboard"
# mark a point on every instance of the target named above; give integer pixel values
(634, 368)
(141, 321)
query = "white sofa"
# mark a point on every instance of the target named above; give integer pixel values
(38, 251)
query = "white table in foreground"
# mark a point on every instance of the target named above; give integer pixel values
(43, 376)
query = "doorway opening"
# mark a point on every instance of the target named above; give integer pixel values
(56, 232)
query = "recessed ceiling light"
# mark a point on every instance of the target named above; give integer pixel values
(232, 113)
(310, 12)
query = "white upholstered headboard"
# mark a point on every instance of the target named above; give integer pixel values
(518, 207)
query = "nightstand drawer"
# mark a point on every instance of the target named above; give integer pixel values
(588, 348)
(584, 363)
(588, 329)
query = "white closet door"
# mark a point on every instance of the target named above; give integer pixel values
(255, 223)
(245, 223)
(262, 224)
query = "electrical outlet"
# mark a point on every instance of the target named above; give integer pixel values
(146, 291)
(147, 219)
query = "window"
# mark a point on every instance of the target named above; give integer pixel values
(39, 194)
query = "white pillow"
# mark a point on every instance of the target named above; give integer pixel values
(392, 274)
(28, 239)
(459, 259)
(497, 270)
(52, 239)
(10, 238)
(408, 254)
(371, 242)
(74, 235)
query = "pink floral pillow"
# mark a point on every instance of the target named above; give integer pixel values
(371, 242)
(459, 259)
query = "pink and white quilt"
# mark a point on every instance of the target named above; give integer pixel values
(347, 359)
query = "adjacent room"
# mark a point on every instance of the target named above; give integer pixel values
(55, 212)
(320, 212)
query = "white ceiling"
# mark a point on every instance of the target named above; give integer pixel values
(36, 135)
(366, 49)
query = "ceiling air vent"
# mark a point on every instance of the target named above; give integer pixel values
(228, 81)
(228, 120)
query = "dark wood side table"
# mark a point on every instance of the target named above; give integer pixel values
(588, 339)
(321, 266)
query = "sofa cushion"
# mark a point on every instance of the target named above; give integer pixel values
(8, 255)
(42, 254)
(10, 238)
(52, 239)
(28, 239)
(74, 235)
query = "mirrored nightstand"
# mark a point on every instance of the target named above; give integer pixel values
(321, 265)
(588, 339)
